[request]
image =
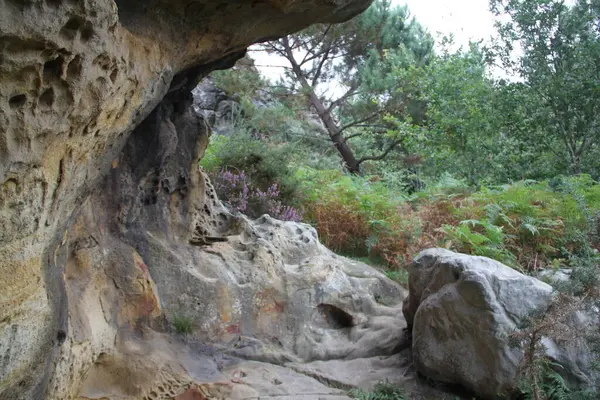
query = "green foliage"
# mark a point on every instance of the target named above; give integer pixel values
(182, 324)
(374, 199)
(461, 119)
(527, 224)
(489, 243)
(265, 163)
(240, 81)
(552, 385)
(400, 276)
(463, 140)
(559, 72)
(381, 391)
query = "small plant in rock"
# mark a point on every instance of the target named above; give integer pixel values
(381, 391)
(182, 324)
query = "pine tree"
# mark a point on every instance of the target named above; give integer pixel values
(358, 56)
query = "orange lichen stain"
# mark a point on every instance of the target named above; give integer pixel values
(269, 301)
(233, 329)
(225, 305)
(141, 265)
(143, 302)
(115, 163)
(146, 304)
(276, 307)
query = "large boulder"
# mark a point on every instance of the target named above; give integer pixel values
(462, 310)
(76, 78)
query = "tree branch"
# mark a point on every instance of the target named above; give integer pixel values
(359, 121)
(304, 60)
(320, 66)
(349, 93)
(382, 155)
(275, 49)
(352, 136)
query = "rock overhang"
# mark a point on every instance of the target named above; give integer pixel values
(76, 78)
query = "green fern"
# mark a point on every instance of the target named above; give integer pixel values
(555, 386)
(551, 385)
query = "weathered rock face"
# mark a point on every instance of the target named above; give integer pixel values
(215, 107)
(224, 113)
(265, 290)
(76, 77)
(461, 310)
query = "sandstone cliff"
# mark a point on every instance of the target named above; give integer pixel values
(104, 213)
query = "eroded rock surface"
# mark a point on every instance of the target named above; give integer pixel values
(263, 290)
(76, 77)
(462, 309)
(218, 109)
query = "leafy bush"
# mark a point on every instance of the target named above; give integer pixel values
(362, 216)
(527, 225)
(236, 189)
(263, 163)
(488, 243)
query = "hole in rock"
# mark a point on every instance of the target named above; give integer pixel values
(74, 68)
(61, 336)
(87, 32)
(74, 24)
(17, 101)
(113, 75)
(47, 98)
(335, 317)
(69, 31)
(53, 68)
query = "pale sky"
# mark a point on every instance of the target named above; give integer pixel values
(466, 19)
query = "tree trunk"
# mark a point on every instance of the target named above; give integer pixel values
(352, 164)
(336, 136)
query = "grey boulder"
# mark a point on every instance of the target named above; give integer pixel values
(462, 309)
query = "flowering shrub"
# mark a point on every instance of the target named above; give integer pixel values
(236, 189)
